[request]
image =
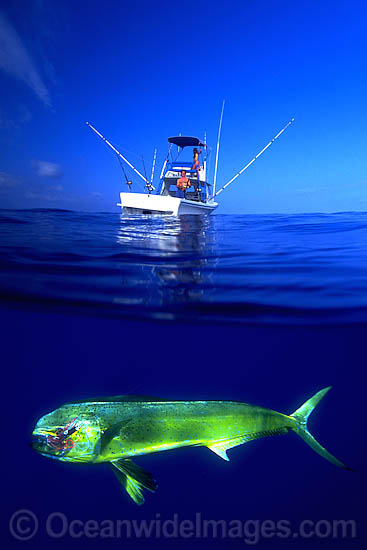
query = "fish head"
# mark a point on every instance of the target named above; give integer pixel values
(68, 436)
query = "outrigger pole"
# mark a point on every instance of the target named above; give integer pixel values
(118, 153)
(253, 160)
(217, 154)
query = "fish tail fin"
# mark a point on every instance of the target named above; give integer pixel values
(301, 416)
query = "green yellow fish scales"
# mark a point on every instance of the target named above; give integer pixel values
(117, 429)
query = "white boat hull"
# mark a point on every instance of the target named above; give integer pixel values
(139, 203)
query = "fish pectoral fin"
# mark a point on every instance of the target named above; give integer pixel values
(221, 447)
(114, 431)
(130, 485)
(143, 477)
(134, 479)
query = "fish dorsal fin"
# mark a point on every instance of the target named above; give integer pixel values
(134, 479)
(119, 399)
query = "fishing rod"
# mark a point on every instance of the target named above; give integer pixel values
(128, 182)
(148, 186)
(217, 154)
(118, 153)
(165, 161)
(253, 160)
(153, 166)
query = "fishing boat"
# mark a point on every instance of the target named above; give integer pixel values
(198, 198)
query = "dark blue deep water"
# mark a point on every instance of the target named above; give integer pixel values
(262, 309)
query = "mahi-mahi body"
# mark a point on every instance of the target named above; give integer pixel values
(117, 429)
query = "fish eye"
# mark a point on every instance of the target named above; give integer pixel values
(61, 440)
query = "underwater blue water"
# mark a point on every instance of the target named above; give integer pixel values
(262, 309)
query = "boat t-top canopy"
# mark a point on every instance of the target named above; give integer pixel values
(186, 141)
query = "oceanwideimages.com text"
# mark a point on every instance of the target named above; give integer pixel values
(25, 525)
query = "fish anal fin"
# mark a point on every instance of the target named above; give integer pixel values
(221, 447)
(134, 479)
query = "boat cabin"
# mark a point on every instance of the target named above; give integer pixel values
(171, 171)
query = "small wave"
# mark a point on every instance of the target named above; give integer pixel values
(45, 210)
(5, 220)
(261, 269)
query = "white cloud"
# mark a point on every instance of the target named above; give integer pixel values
(41, 193)
(47, 169)
(57, 188)
(7, 180)
(16, 61)
(21, 116)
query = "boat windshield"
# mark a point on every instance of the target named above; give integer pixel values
(197, 191)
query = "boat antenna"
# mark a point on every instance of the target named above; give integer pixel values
(217, 154)
(117, 152)
(253, 160)
(205, 156)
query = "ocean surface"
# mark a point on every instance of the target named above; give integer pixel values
(265, 309)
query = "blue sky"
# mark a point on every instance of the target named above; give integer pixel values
(141, 71)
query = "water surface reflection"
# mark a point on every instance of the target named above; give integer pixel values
(174, 257)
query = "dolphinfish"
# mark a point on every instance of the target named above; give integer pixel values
(118, 429)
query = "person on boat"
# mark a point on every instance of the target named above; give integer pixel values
(195, 164)
(182, 184)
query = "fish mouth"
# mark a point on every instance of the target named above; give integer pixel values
(38, 440)
(40, 444)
